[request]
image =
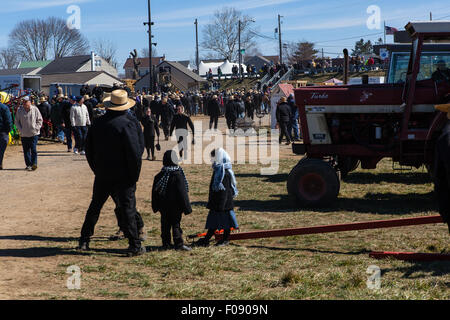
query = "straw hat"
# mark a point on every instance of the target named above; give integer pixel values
(283, 99)
(42, 99)
(444, 108)
(86, 97)
(118, 101)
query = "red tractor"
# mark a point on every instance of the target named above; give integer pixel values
(348, 125)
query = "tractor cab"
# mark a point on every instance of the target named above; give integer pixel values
(351, 125)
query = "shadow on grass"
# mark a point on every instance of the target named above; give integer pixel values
(403, 178)
(281, 177)
(419, 270)
(376, 203)
(40, 252)
(43, 252)
(354, 253)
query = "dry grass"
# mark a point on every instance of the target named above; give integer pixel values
(328, 266)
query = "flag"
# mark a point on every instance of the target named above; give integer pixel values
(390, 30)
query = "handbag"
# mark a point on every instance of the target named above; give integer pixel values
(158, 146)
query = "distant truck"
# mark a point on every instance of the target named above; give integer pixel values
(23, 82)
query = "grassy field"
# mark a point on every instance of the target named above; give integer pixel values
(329, 266)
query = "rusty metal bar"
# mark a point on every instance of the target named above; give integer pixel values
(378, 224)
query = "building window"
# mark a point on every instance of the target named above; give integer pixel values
(98, 63)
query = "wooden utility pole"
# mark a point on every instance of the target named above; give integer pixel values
(197, 62)
(150, 36)
(279, 38)
(240, 54)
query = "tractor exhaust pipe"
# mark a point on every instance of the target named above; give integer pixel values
(346, 66)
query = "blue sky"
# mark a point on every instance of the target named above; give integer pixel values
(331, 24)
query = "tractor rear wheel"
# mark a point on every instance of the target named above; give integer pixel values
(313, 183)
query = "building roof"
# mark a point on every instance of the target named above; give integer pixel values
(34, 64)
(274, 59)
(144, 62)
(75, 77)
(185, 70)
(65, 65)
(185, 63)
(12, 72)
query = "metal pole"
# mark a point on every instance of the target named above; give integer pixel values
(150, 48)
(240, 56)
(384, 29)
(279, 36)
(378, 224)
(196, 46)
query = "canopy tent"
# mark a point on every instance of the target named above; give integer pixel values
(227, 67)
(204, 67)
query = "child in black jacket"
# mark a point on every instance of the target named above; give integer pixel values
(170, 196)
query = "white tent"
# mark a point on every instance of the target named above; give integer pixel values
(227, 67)
(204, 67)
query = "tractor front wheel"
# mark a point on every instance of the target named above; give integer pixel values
(313, 183)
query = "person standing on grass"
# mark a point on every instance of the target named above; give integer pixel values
(114, 149)
(214, 112)
(29, 123)
(5, 128)
(231, 113)
(150, 128)
(79, 120)
(180, 124)
(170, 197)
(167, 113)
(284, 116)
(222, 191)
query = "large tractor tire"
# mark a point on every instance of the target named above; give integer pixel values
(313, 183)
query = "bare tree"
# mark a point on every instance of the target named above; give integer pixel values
(38, 40)
(8, 59)
(107, 50)
(221, 36)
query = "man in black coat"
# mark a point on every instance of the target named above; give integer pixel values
(180, 124)
(214, 112)
(66, 105)
(284, 115)
(171, 198)
(45, 109)
(231, 113)
(167, 113)
(114, 149)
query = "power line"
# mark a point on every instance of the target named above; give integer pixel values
(349, 38)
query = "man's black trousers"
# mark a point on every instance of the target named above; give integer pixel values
(284, 131)
(125, 198)
(213, 120)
